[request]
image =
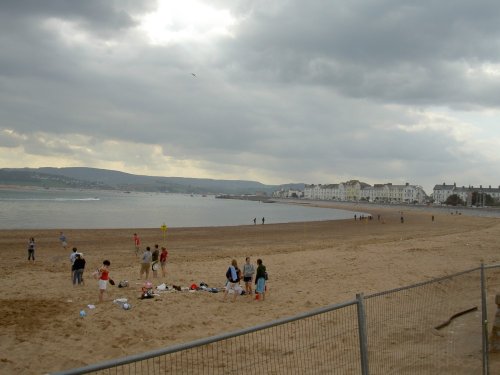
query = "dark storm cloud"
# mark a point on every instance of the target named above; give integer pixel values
(396, 51)
(300, 90)
(97, 16)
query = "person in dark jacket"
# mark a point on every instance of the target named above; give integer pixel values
(260, 280)
(78, 268)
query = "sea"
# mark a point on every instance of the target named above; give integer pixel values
(93, 209)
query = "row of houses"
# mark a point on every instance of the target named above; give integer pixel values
(355, 190)
(442, 192)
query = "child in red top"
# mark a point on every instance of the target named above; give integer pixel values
(163, 261)
(103, 279)
(137, 244)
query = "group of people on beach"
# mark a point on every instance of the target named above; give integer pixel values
(234, 276)
(154, 261)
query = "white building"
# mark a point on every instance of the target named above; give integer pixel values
(355, 190)
(442, 192)
(389, 193)
(290, 193)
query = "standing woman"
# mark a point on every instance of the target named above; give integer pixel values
(103, 278)
(31, 249)
(233, 279)
(260, 280)
(248, 272)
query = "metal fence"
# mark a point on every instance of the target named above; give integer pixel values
(408, 330)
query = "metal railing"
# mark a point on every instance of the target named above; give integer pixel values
(407, 330)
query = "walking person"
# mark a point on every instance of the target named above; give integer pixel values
(78, 268)
(260, 280)
(146, 260)
(31, 249)
(263, 220)
(63, 240)
(248, 272)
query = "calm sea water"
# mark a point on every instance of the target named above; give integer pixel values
(71, 209)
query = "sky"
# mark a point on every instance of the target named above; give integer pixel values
(320, 91)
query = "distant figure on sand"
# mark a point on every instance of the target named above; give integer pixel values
(137, 243)
(31, 249)
(254, 221)
(63, 240)
(260, 280)
(263, 220)
(146, 260)
(163, 261)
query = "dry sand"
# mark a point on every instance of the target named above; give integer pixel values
(310, 264)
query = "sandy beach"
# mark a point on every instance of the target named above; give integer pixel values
(40, 327)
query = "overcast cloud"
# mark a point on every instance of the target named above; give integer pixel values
(283, 91)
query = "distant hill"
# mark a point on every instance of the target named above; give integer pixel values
(93, 178)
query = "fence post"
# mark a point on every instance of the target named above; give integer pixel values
(363, 342)
(484, 320)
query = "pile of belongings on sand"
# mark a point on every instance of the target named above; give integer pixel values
(202, 287)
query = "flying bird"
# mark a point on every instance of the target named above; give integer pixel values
(194, 75)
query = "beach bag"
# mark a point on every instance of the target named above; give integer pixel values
(147, 294)
(123, 284)
(228, 274)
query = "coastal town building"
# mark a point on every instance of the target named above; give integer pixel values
(442, 192)
(288, 193)
(390, 193)
(355, 191)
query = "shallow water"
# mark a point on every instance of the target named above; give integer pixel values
(88, 209)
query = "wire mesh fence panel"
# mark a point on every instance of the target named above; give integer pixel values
(434, 327)
(492, 290)
(492, 286)
(412, 330)
(325, 343)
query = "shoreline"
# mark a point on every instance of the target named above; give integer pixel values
(311, 265)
